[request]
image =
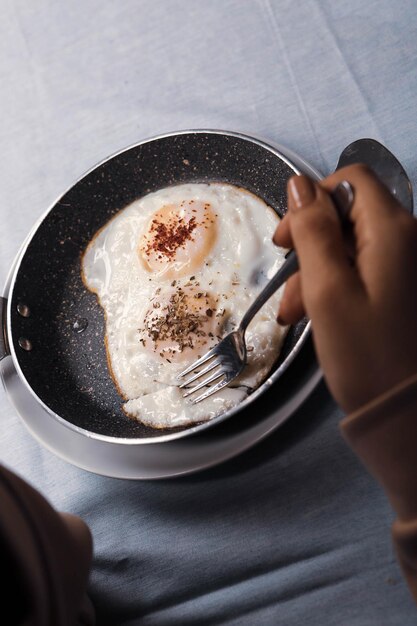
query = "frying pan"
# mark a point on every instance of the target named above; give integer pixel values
(54, 327)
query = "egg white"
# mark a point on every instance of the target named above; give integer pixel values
(236, 267)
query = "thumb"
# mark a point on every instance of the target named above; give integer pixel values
(326, 273)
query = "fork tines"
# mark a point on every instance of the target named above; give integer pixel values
(197, 374)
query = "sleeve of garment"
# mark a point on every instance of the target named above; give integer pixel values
(384, 436)
(45, 559)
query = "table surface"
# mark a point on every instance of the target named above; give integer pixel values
(293, 531)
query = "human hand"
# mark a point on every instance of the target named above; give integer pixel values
(363, 314)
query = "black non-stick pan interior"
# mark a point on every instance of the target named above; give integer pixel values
(67, 365)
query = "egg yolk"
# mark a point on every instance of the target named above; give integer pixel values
(181, 325)
(178, 238)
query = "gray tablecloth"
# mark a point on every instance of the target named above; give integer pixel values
(293, 531)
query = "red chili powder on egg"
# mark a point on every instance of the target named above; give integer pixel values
(170, 236)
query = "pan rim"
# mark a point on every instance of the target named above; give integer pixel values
(277, 150)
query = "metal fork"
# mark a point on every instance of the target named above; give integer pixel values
(228, 358)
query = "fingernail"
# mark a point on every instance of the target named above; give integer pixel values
(302, 191)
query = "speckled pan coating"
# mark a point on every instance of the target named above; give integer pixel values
(68, 369)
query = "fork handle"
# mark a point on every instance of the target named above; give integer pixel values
(286, 270)
(342, 197)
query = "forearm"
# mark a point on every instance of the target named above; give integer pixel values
(384, 435)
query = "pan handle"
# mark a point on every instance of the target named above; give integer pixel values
(4, 345)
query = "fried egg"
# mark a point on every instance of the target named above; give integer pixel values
(175, 271)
